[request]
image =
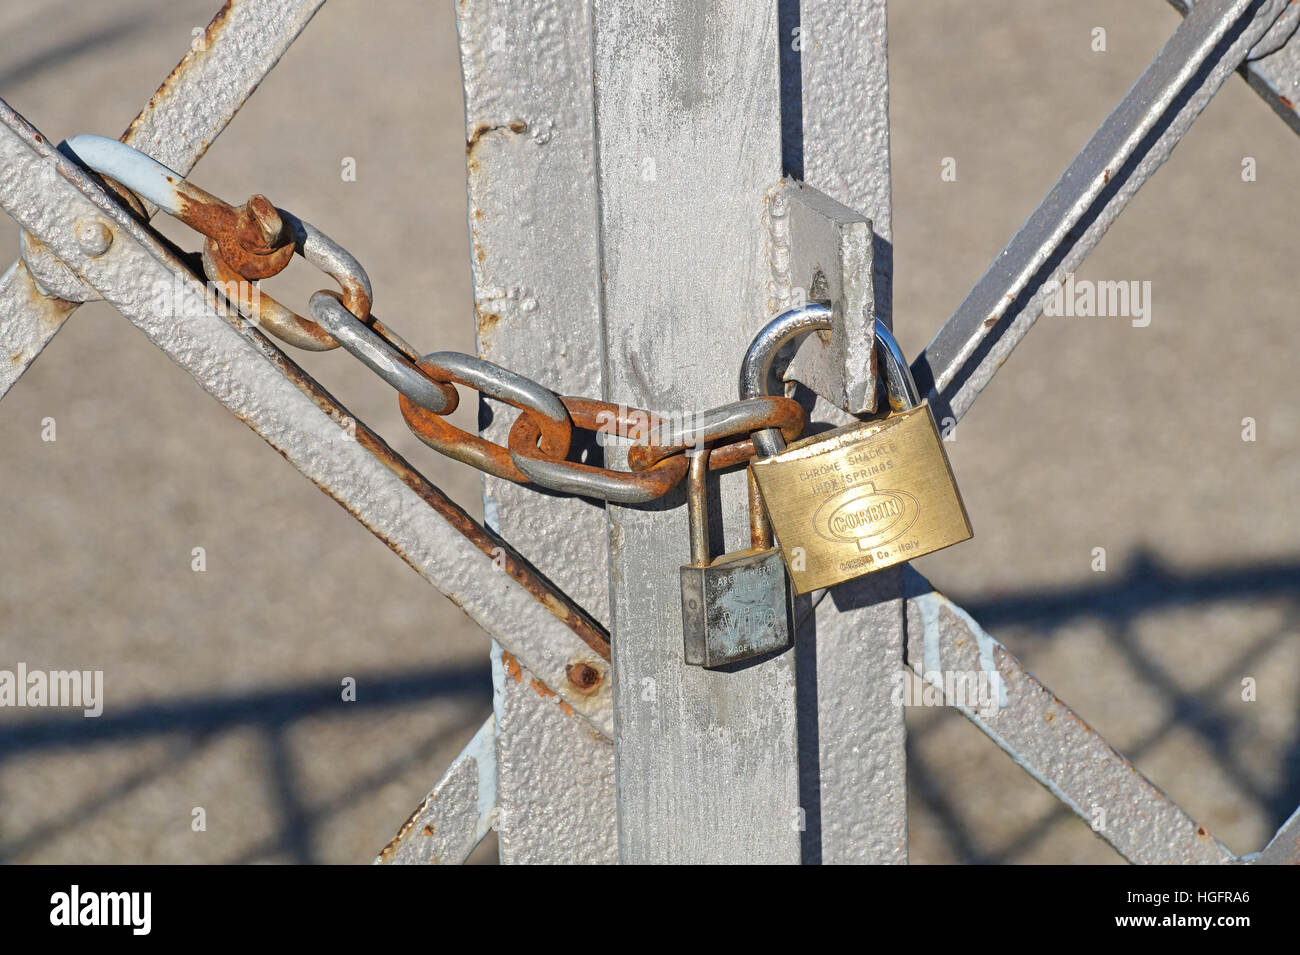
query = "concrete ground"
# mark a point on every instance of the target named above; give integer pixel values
(222, 686)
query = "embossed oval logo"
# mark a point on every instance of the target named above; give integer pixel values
(865, 516)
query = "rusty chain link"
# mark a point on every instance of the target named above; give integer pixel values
(255, 241)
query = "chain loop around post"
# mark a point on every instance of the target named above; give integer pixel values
(738, 419)
(621, 487)
(535, 403)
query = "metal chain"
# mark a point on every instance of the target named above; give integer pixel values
(256, 240)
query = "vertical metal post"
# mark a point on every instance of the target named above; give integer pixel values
(688, 134)
(855, 769)
(532, 217)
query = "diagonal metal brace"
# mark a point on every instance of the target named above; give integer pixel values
(48, 195)
(1272, 68)
(189, 110)
(1049, 740)
(1132, 142)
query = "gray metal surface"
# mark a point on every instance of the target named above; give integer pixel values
(458, 812)
(375, 353)
(687, 112)
(1283, 848)
(234, 363)
(534, 260)
(851, 731)
(844, 67)
(1133, 141)
(1049, 740)
(1273, 66)
(555, 775)
(188, 111)
(823, 250)
(558, 477)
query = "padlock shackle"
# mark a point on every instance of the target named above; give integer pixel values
(697, 506)
(756, 369)
(697, 509)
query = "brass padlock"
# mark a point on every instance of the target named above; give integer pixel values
(737, 606)
(859, 498)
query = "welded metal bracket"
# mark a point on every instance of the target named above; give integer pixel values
(822, 251)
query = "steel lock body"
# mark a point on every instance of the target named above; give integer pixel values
(735, 608)
(862, 498)
(859, 498)
(739, 605)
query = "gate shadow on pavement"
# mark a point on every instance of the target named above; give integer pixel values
(1117, 601)
(1145, 586)
(195, 722)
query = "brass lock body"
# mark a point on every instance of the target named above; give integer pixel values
(863, 497)
(739, 605)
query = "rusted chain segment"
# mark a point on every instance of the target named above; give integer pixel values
(528, 451)
(256, 240)
(740, 418)
(548, 416)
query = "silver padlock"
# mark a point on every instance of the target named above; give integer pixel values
(737, 606)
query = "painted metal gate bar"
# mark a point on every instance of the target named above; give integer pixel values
(188, 111)
(456, 814)
(1130, 145)
(858, 755)
(687, 123)
(1272, 67)
(1046, 738)
(47, 195)
(530, 159)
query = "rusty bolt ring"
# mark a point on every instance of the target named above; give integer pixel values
(589, 415)
(238, 231)
(583, 676)
(438, 433)
(249, 264)
(784, 413)
(327, 256)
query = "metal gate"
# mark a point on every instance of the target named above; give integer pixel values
(648, 183)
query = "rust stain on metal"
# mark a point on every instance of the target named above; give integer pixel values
(1286, 102)
(391, 849)
(541, 689)
(482, 129)
(210, 33)
(768, 411)
(202, 212)
(251, 240)
(583, 676)
(528, 440)
(428, 829)
(512, 666)
(553, 436)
